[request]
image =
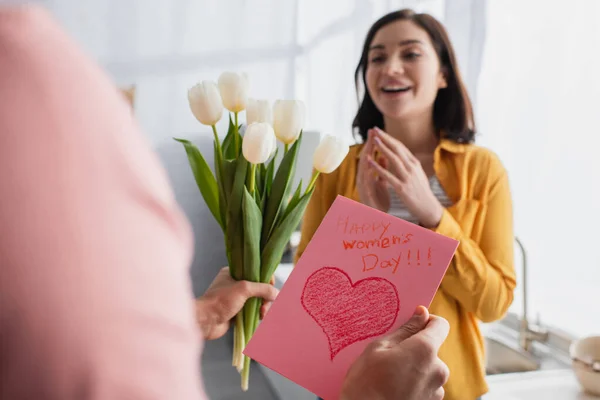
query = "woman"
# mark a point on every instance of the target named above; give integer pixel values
(418, 163)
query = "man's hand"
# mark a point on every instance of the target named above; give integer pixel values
(225, 298)
(403, 365)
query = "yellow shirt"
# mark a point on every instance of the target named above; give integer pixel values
(480, 280)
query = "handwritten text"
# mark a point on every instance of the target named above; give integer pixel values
(408, 257)
(382, 242)
(353, 228)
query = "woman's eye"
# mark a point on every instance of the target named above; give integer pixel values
(377, 59)
(412, 56)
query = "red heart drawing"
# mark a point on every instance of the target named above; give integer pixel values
(349, 313)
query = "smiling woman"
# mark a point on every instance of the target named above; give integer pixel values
(426, 57)
(418, 162)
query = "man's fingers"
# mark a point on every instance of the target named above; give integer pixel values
(262, 290)
(413, 326)
(435, 332)
(439, 394)
(264, 309)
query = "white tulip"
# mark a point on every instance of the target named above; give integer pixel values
(329, 154)
(273, 142)
(258, 111)
(205, 102)
(258, 143)
(234, 90)
(288, 120)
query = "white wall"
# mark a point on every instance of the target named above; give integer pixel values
(539, 102)
(291, 49)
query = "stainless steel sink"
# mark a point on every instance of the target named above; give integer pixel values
(502, 358)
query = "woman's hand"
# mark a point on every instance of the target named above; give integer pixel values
(372, 189)
(225, 298)
(408, 179)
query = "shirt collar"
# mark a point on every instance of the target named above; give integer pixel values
(452, 146)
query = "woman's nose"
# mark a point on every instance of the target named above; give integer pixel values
(393, 66)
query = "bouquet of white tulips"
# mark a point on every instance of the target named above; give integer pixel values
(250, 197)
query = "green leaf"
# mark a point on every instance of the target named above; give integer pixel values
(251, 315)
(263, 203)
(273, 250)
(260, 178)
(235, 246)
(204, 179)
(229, 141)
(279, 190)
(258, 199)
(252, 228)
(234, 229)
(263, 170)
(269, 174)
(221, 185)
(229, 169)
(295, 199)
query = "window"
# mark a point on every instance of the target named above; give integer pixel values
(538, 107)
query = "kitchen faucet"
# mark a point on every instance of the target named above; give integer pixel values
(528, 333)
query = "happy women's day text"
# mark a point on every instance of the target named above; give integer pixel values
(383, 240)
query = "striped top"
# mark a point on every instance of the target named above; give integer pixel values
(397, 208)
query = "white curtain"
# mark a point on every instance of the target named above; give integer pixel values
(539, 109)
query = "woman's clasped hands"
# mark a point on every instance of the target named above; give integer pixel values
(384, 163)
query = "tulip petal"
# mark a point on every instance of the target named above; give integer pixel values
(258, 142)
(329, 154)
(234, 90)
(258, 111)
(206, 103)
(288, 119)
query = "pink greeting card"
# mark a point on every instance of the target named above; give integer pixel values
(361, 276)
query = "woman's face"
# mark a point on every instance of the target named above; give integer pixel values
(403, 71)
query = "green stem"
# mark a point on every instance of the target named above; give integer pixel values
(239, 341)
(219, 156)
(219, 172)
(312, 181)
(286, 147)
(252, 179)
(252, 307)
(236, 345)
(214, 129)
(236, 132)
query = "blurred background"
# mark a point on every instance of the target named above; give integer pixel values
(533, 72)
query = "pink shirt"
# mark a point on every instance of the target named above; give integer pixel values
(95, 298)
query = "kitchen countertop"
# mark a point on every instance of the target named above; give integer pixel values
(554, 384)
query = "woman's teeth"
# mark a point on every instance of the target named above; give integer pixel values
(395, 89)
